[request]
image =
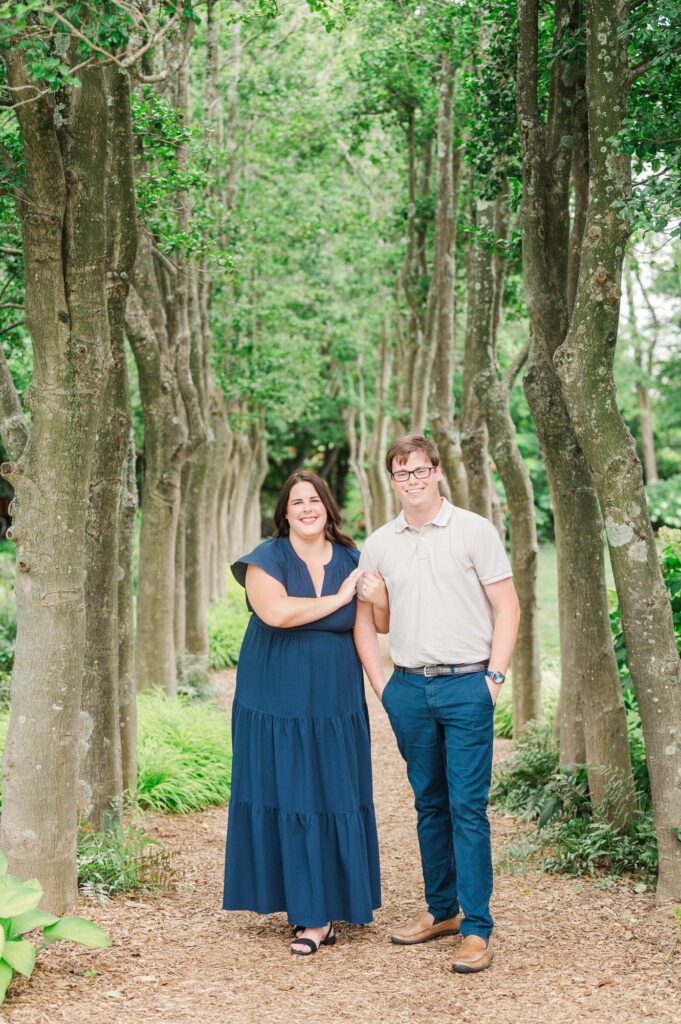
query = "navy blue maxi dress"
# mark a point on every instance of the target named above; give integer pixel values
(301, 835)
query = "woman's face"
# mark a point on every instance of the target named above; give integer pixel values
(306, 512)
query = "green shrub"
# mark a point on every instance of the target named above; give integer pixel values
(119, 860)
(519, 783)
(664, 502)
(587, 845)
(503, 713)
(571, 836)
(227, 621)
(184, 757)
(184, 754)
(19, 915)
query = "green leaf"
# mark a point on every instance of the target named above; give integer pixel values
(17, 899)
(3, 863)
(77, 929)
(2, 940)
(6, 975)
(31, 919)
(20, 955)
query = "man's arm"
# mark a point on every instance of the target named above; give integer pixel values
(504, 601)
(366, 642)
(373, 590)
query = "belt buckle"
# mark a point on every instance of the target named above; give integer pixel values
(428, 674)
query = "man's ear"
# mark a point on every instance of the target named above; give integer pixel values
(438, 472)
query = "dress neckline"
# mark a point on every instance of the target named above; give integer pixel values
(307, 568)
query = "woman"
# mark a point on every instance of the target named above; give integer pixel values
(301, 836)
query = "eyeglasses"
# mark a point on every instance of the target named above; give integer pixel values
(420, 473)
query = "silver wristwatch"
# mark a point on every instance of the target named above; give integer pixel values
(496, 677)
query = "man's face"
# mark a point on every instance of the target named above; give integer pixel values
(414, 494)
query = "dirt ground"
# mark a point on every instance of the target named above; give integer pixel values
(566, 950)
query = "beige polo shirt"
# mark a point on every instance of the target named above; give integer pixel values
(439, 612)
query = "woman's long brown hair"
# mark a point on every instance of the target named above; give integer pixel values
(333, 516)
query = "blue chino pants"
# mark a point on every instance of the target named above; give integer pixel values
(444, 731)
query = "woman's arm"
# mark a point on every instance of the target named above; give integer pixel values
(271, 603)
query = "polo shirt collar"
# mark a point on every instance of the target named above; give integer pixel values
(444, 514)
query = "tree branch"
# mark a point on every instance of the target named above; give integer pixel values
(515, 366)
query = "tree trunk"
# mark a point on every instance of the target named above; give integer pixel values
(493, 395)
(127, 695)
(585, 365)
(157, 323)
(64, 236)
(592, 722)
(194, 506)
(479, 321)
(180, 620)
(381, 493)
(164, 437)
(101, 774)
(645, 411)
(442, 420)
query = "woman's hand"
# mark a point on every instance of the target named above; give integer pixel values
(348, 587)
(373, 590)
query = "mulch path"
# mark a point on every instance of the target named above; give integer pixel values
(566, 950)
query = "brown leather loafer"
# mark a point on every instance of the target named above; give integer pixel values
(474, 955)
(422, 929)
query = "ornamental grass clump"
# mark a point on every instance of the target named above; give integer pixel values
(121, 860)
(184, 757)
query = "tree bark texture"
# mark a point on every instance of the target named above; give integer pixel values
(592, 722)
(585, 366)
(492, 393)
(381, 493)
(479, 320)
(442, 420)
(101, 775)
(127, 690)
(157, 324)
(64, 238)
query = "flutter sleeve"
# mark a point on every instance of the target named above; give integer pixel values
(267, 556)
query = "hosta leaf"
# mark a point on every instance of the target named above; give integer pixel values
(20, 955)
(31, 919)
(17, 899)
(6, 975)
(77, 929)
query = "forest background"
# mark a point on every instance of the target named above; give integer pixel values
(242, 237)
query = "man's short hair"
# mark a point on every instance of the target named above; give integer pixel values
(403, 448)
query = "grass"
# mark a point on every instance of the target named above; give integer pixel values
(184, 756)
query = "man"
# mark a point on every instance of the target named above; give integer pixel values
(453, 620)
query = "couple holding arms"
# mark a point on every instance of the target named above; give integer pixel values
(302, 833)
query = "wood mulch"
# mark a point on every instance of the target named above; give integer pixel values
(566, 950)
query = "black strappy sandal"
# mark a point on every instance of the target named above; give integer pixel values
(328, 940)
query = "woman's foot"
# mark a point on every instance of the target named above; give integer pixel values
(319, 936)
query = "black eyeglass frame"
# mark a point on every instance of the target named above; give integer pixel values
(412, 472)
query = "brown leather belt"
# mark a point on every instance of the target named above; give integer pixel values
(443, 670)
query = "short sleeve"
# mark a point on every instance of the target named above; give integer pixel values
(488, 554)
(352, 555)
(367, 562)
(267, 556)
